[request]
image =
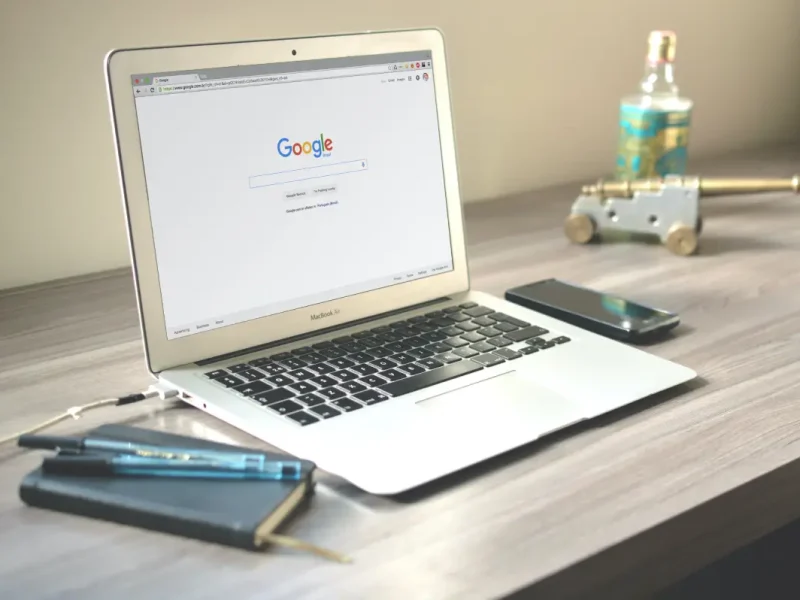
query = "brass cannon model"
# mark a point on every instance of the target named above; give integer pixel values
(668, 207)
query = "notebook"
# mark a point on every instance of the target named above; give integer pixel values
(244, 514)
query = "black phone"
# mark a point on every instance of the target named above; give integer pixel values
(595, 311)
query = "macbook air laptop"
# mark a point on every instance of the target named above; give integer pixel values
(296, 232)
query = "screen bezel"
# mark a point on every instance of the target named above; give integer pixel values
(161, 352)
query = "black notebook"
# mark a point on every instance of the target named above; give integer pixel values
(235, 513)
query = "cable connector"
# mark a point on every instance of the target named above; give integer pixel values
(157, 390)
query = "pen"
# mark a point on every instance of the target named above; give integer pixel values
(273, 470)
(54, 442)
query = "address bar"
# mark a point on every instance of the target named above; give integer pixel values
(266, 79)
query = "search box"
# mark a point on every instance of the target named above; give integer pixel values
(281, 177)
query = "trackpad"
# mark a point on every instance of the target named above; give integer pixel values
(509, 399)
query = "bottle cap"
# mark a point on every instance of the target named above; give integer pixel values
(661, 46)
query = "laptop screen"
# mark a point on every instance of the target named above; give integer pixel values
(280, 186)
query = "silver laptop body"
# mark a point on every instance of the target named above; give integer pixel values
(296, 234)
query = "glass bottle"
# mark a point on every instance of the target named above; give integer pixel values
(654, 124)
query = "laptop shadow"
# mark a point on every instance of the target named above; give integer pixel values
(521, 453)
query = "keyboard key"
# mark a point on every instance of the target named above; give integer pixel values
(393, 374)
(281, 356)
(525, 333)
(364, 369)
(371, 397)
(272, 369)
(303, 418)
(505, 327)
(438, 348)
(546, 345)
(434, 314)
(484, 321)
(273, 396)
(416, 342)
(430, 363)
(257, 362)
(333, 352)
(450, 309)
(373, 380)
(448, 357)
(560, 340)
(292, 363)
(411, 369)
(230, 380)
(424, 327)
(362, 334)
(379, 352)
(345, 339)
(302, 350)
(391, 338)
(253, 388)
(324, 381)
(500, 342)
(528, 350)
(440, 323)
(489, 332)
(314, 358)
(344, 375)
(384, 363)
(311, 399)
(351, 387)
(332, 393)
(434, 336)
(302, 387)
(407, 332)
(403, 358)
(468, 326)
(482, 347)
(325, 411)
(341, 363)
(537, 341)
(465, 352)
(347, 405)
(216, 374)
(238, 368)
(302, 374)
(398, 324)
(452, 331)
(472, 337)
(420, 353)
(250, 374)
(285, 407)
(504, 317)
(360, 357)
(381, 329)
(458, 317)
(353, 347)
(280, 380)
(321, 368)
(322, 345)
(456, 342)
(468, 305)
(398, 347)
(429, 378)
(507, 353)
(488, 360)
(370, 342)
(416, 320)
(478, 311)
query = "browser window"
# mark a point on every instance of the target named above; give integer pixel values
(280, 186)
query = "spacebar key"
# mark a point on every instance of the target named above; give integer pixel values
(429, 378)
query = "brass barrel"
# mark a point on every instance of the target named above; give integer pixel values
(708, 186)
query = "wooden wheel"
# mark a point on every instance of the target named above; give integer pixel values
(579, 228)
(682, 240)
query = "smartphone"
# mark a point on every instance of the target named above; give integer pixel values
(595, 311)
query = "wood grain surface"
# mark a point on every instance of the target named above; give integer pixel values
(616, 508)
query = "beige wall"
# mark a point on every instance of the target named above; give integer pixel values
(535, 86)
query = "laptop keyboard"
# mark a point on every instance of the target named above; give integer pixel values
(347, 373)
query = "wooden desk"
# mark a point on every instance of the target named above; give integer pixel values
(621, 506)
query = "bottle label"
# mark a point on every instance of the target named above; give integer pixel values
(652, 142)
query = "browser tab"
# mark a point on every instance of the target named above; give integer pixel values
(177, 79)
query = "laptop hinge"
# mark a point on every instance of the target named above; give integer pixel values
(317, 333)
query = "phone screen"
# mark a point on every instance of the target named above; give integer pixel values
(591, 304)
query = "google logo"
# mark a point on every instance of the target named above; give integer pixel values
(317, 147)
